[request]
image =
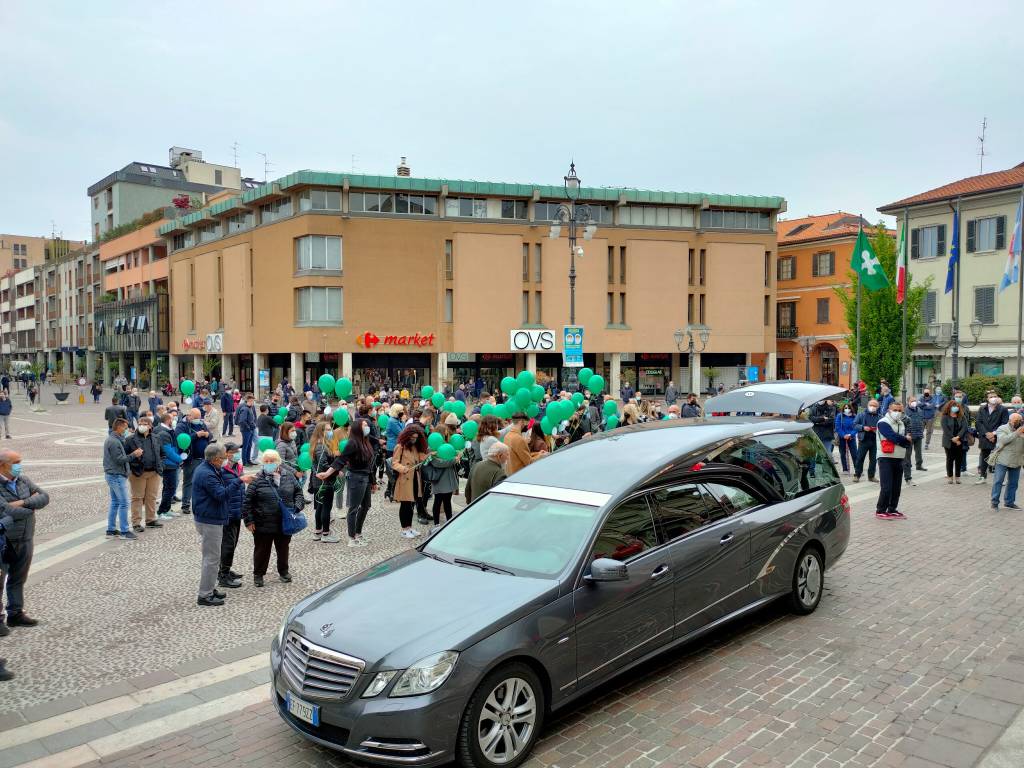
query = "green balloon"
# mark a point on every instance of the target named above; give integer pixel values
(546, 426)
(595, 384)
(610, 408)
(584, 375)
(265, 443)
(449, 405)
(304, 449)
(435, 440)
(305, 462)
(487, 409)
(188, 387)
(326, 383)
(457, 441)
(501, 411)
(445, 452)
(537, 393)
(613, 422)
(524, 397)
(279, 419)
(578, 398)
(525, 379)
(382, 421)
(437, 399)
(184, 441)
(427, 392)
(508, 385)
(459, 408)
(343, 387)
(532, 410)
(341, 417)
(342, 444)
(282, 411)
(376, 404)
(469, 429)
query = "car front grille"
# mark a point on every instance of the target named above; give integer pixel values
(318, 672)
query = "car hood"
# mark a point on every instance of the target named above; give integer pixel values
(411, 606)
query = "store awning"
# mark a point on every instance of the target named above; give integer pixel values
(997, 353)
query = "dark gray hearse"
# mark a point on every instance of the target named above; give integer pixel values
(577, 568)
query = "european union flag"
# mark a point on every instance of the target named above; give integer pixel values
(954, 253)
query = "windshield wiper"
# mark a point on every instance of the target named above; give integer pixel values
(482, 566)
(435, 557)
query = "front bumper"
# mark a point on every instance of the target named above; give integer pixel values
(413, 731)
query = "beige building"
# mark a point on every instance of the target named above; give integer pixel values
(21, 251)
(406, 281)
(988, 316)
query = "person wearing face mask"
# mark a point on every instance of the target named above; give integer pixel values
(171, 459)
(915, 431)
(992, 415)
(894, 445)
(823, 416)
(1007, 459)
(210, 497)
(20, 499)
(115, 469)
(270, 491)
(954, 438)
(927, 405)
(286, 447)
(5, 412)
(846, 434)
(143, 478)
(885, 398)
(133, 403)
(356, 460)
(487, 473)
(866, 425)
(233, 474)
(322, 454)
(196, 429)
(961, 399)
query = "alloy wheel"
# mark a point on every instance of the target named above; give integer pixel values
(808, 580)
(507, 721)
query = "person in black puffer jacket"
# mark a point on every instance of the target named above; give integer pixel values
(823, 416)
(261, 512)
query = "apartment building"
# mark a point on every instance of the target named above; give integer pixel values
(21, 251)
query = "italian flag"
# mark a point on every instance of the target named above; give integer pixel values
(901, 266)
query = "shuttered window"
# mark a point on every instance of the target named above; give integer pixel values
(929, 308)
(985, 304)
(786, 268)
(928, 242)
(988, 234)
(823, 264)
(823, 307)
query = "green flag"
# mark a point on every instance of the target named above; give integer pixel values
(865, 263)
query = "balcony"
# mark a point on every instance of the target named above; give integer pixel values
(786, 332)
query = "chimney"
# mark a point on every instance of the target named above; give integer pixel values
(403, 169)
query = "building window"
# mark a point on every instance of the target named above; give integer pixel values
(183, 240)
(928, 242)
(375, 202)
(985, 304)
(537, 268)
(465, 207)
(703, 266)
(823, 305)
(767, 268)
(689, 308)
(526, 307)
(417, 205)
(622, 308)
(785, 316)
(513, 209)
(702, 305)
(545, 211)
(275, 210)
(449, 295)
(823, 264)
(929, 307)
(96, 203)
(611, 263)
(218, 177)
(448, 260)
(690, 266)
(320, 200)
(538, 316)
(318, 306)
(988, 234)
(526, 262)
(622, 265)
(318, 252)
(656, 216)
(718, 219)
(239, 222)
(767, 311)
(610, 309)
(786, 268)
(207, 232)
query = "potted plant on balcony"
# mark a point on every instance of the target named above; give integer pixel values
(61, 381)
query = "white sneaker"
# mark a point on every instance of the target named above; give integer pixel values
(330, 538)
(362, 542)
(316, 537)
(980, 481)
(353, 543)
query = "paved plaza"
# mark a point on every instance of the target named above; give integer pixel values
(915, 657)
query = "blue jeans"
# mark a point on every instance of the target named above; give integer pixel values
(120, 500)
(1012, 475)
(170, 477)
(248, 436)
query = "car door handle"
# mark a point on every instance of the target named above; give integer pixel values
(725, 539)
(661, 570)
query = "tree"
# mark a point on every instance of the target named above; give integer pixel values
(881, 318)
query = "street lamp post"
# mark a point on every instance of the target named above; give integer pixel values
(807, 343)
(575, 216)
(689, 335)
(946, 335)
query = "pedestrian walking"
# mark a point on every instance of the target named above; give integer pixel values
(322, 452)
(846, 435)
(487, 473)
(210, 492)
(6, 406)
(410, 451)
(115, 411)
(990, 416)
(144, 475)
(671, 394)
(1006, 460)
(171, 458)
(915, 431)
(272, 491)
(195, 428)
(929, 409)
(116, 463)
(866, 425)
(233, 477)
(954, 438)
(227, 408)
(20, 499)
(893, 443)
(155, 400)
(357, 461)
(96, 390)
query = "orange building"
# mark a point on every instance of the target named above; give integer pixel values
(810, 326)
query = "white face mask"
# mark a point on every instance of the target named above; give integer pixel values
(993, 401)
(366, 429)
(143, 429)
(913, 403)
(872, 409)
(847, 411)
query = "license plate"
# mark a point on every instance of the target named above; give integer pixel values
(303, 710)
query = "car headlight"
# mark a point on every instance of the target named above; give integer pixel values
(426, 675)
(280, 632)
(379, 683)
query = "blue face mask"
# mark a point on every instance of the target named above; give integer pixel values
(16, 469)
(329, 434)
(197, 422)
(236, 457)
(270, 468)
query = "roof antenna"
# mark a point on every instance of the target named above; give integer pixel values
(981, 146)
(266, 165)
(234, 150)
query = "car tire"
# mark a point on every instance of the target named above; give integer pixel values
(488, 735)
(808, 581)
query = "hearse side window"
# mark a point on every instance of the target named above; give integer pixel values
(792, 463)
(731, 498)
(628, 531)
(682, 509)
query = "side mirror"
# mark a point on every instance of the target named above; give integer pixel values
(606, 569)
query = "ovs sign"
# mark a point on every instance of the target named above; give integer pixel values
(532, 340)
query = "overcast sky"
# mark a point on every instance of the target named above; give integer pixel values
(833, 106)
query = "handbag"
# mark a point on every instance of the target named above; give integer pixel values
(292, 522)
(888, 446)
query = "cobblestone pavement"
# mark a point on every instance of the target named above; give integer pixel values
(915, 657)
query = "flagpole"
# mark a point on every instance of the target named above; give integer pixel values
(956, 301)
(860, 226)
(906, 294)
(1020, 291)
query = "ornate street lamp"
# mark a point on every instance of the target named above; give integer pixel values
(576, 217)
(946, 335)
(807, 343)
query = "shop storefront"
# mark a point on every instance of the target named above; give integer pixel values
(481, 372)
(647, 372)
(318, 363)
(390, 370)
(550, 368)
